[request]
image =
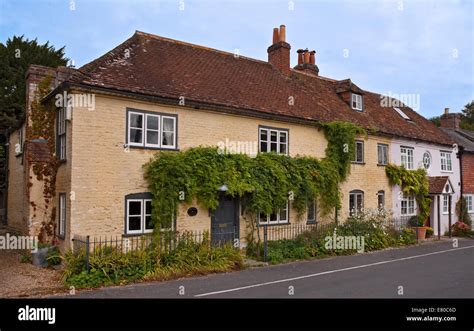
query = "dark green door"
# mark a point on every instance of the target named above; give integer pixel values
(225, 221)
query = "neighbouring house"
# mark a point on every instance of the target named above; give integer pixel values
(152, 93)
(465, 140)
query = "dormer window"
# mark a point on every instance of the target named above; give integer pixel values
(356, 102)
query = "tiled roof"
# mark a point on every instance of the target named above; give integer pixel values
(463, 138)
(159, 67)
(37, 151)
(436, 184)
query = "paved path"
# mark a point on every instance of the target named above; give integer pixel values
(431, 270)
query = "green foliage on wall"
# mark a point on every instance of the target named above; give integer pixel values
(412, 182)
(264, 182)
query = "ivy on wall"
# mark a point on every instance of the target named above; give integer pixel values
(264, 182)
(40, 125)
(412, 182)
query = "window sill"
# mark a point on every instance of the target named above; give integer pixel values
(381, 165)
(128, 235)
(359, 163)
(152, 148)
(273, 224)
(61, 162)
(310, 222)
(61, 237)
(447, 171)
(19, 154)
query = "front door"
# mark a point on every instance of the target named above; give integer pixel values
(225, 221)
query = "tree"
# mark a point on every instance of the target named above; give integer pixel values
(16, 55)
(467, 121)
(436, 121)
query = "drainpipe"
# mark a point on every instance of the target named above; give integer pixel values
(439, 216)
(459, 155)
(7, 152)
(449, 211)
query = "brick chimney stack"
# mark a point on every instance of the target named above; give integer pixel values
(279, 51)
(307, 62)
(450, 121)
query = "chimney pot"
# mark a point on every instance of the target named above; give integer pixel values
(312, 59)
(306, 56)
(446, 111)
(276, 36)
(300, 56)
(282, 33)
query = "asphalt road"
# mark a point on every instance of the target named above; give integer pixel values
(431, 270)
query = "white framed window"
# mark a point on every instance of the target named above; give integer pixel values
(406, 157)
(446, 164)
(168, 129)
(62, 215)
(382, 154)
(273, 140)
(381, 199)
(407, 205)
(280, 217)
(426, 160)
(356, 201)
(469, 203)
(139, 216)
(311, 215)
(151, 130)
(61, 134)
(19, 148)
(359, 152)
(356, 101)
(445, 204)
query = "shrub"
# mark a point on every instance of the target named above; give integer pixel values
(462, 212)
(415, 221)
(112, 266)
(53, 257)
(460, 229)
(429, 232)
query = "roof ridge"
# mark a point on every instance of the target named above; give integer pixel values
(465, 135)
(205, 48)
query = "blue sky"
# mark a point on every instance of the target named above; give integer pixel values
(398, 47)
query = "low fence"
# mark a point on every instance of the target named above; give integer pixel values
(167, 242)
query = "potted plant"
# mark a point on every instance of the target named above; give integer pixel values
(429, 232)
(417, 222)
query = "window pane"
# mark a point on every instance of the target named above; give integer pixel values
(263, 218)
(283, 137)
(360, 201)
(360, 152)
(311, 211)
(134, 223)
(148, 223)
(283, 148)
(273, 217)
(152, 122)
(152, 137)
(263, 146)
(273, 136)
(135, 135)
(263, 135)
(136, 120)
(148, 207)
(168, 139)
(168, 124)
(283, 217)
(134, 208)
(351, 203)
(273, 147)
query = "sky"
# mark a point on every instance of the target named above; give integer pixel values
(414, 49)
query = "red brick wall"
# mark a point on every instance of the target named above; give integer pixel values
(468, 172)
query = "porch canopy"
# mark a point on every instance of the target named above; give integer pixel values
(440, 186)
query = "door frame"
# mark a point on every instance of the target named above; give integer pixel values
(236, 215)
